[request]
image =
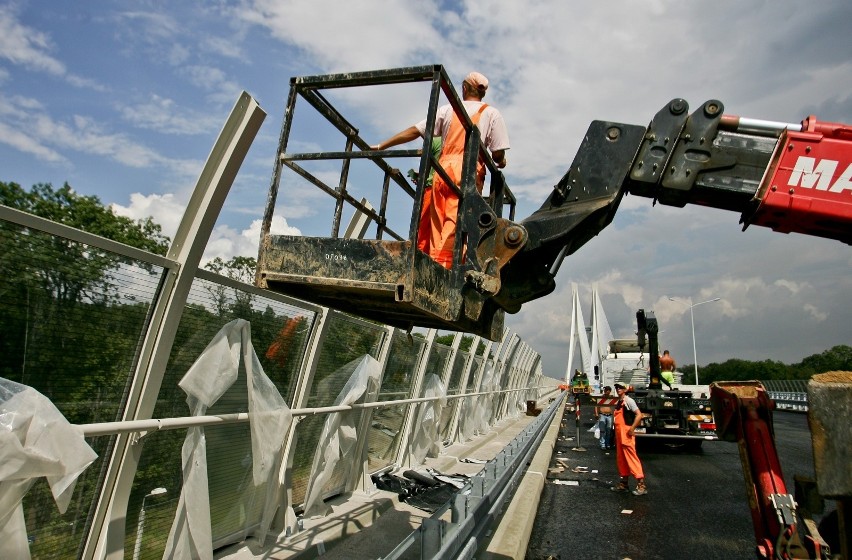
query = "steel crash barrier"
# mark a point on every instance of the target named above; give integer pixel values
(788, 394)
(797, 402)
(112, 336)
(478, 504)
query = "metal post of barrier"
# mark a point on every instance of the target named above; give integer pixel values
(432, 531)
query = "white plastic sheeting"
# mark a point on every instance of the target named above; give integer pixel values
(467, 421)
(35, 440)
(339, 437)
(425, 440)
(490, 385)
(478, 409)
(204, 383)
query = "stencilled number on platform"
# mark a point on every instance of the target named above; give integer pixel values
(335, 257)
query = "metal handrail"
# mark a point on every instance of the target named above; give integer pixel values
(158, 424)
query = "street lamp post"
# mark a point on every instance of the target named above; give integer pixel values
(137, 548)
(692, 320)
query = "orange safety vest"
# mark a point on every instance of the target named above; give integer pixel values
(437, 231)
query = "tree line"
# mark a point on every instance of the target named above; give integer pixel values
(837, 358)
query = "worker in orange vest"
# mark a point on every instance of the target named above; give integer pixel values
(436, 234)
(627, 418)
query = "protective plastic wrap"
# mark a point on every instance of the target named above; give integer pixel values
(484, 410)
(204, 383)
(467, 421)
(339, 436)
(35, 440)
(425, 439)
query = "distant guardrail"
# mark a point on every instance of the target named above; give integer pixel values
(794, 401)
(788, 394)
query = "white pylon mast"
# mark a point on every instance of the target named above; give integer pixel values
(578, 334)
(601, 335)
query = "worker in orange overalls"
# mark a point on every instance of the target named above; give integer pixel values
(438, 216)
(626, 418)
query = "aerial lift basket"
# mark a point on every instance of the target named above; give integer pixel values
(386, 278)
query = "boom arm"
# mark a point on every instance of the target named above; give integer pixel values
(788, 177)
(743, 414)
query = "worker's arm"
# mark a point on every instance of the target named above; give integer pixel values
(406, 135)
(499, 157)
(636, 421)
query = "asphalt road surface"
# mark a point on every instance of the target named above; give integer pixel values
(695, 507)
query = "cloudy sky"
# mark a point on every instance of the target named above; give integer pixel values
(124, 100)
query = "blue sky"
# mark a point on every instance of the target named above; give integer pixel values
(124, 100)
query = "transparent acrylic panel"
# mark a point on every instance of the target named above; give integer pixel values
(437, 361)
(279, 334)
(453, 388)
(347, 339)
(472, 379)
(386, 423)
(470, 413)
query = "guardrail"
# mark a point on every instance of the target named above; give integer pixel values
(788, 394)
(792, 401)
(479, 502)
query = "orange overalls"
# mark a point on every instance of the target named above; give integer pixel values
(625, 447)
(436, 234)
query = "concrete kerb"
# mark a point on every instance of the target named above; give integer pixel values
(512, 535)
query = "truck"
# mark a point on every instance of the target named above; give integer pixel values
(789, 177)
(679, 416)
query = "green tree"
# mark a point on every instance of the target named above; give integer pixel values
(50, 286)
(838, 358)
(240, 269)
(87, 213)
(464, 345)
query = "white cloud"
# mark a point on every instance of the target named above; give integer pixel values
(26, 144)
(814, 312)
(28, 128)
(340, 36)
(226, 242)
(225, 47)
(163, 115)
(165, 210)
(28, 47)
(213, 80)
(155, 26)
